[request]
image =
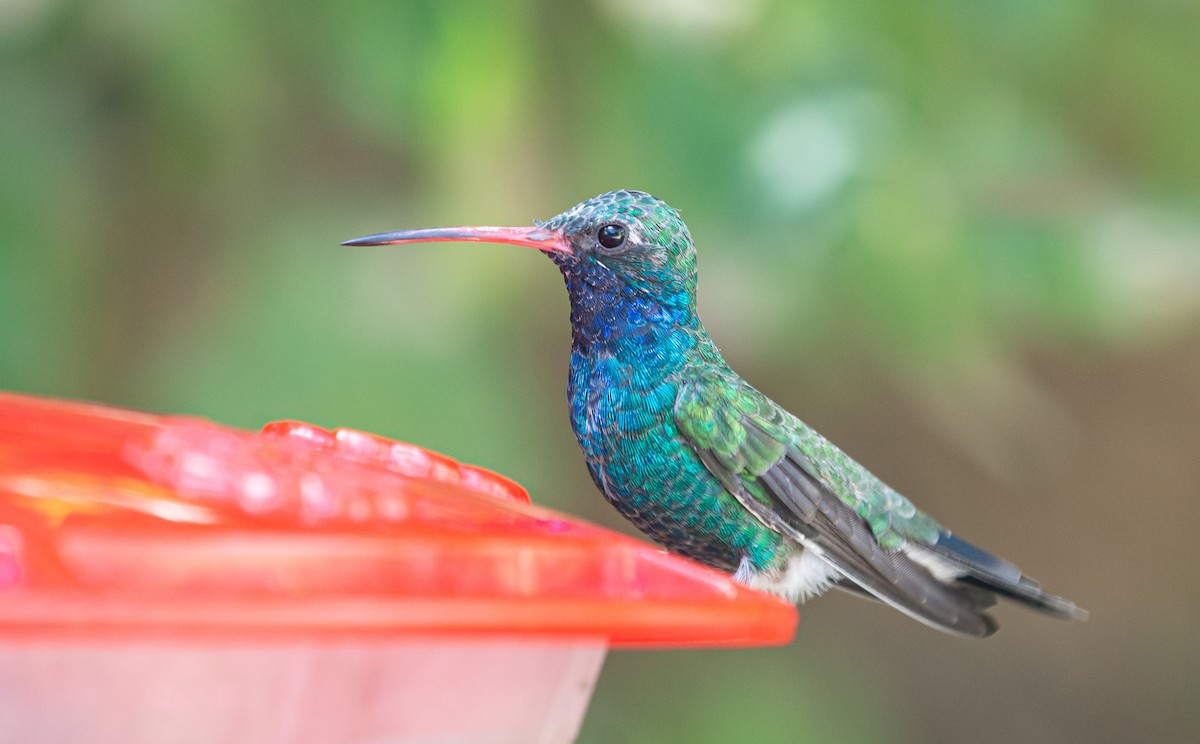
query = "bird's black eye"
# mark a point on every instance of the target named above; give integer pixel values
(611, 236)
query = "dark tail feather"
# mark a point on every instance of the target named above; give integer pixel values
(892, 577)
(993, 574)
(923, 581)
(824, 523)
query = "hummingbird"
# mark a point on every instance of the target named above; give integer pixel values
(711, 468)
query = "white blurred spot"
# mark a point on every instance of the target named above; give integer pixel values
(24, 16)
(258, 491)
(807, 150)
(699, 19)
(200, 473)
(316, 497)
(1149, 262)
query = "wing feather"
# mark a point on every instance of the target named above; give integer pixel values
(756, 459)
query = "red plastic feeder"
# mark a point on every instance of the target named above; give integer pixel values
(171, 581)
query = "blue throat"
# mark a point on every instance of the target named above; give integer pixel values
(611, 318)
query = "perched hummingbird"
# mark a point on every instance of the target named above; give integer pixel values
(710, 467)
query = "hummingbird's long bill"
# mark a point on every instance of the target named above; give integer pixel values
(533, 237)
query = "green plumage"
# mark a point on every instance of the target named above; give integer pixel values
(748, 434)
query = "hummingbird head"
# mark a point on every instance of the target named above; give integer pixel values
(623, 236)
(632, 236)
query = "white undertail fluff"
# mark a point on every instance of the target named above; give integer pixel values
(805, 576)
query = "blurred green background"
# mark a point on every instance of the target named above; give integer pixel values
(962, 239)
